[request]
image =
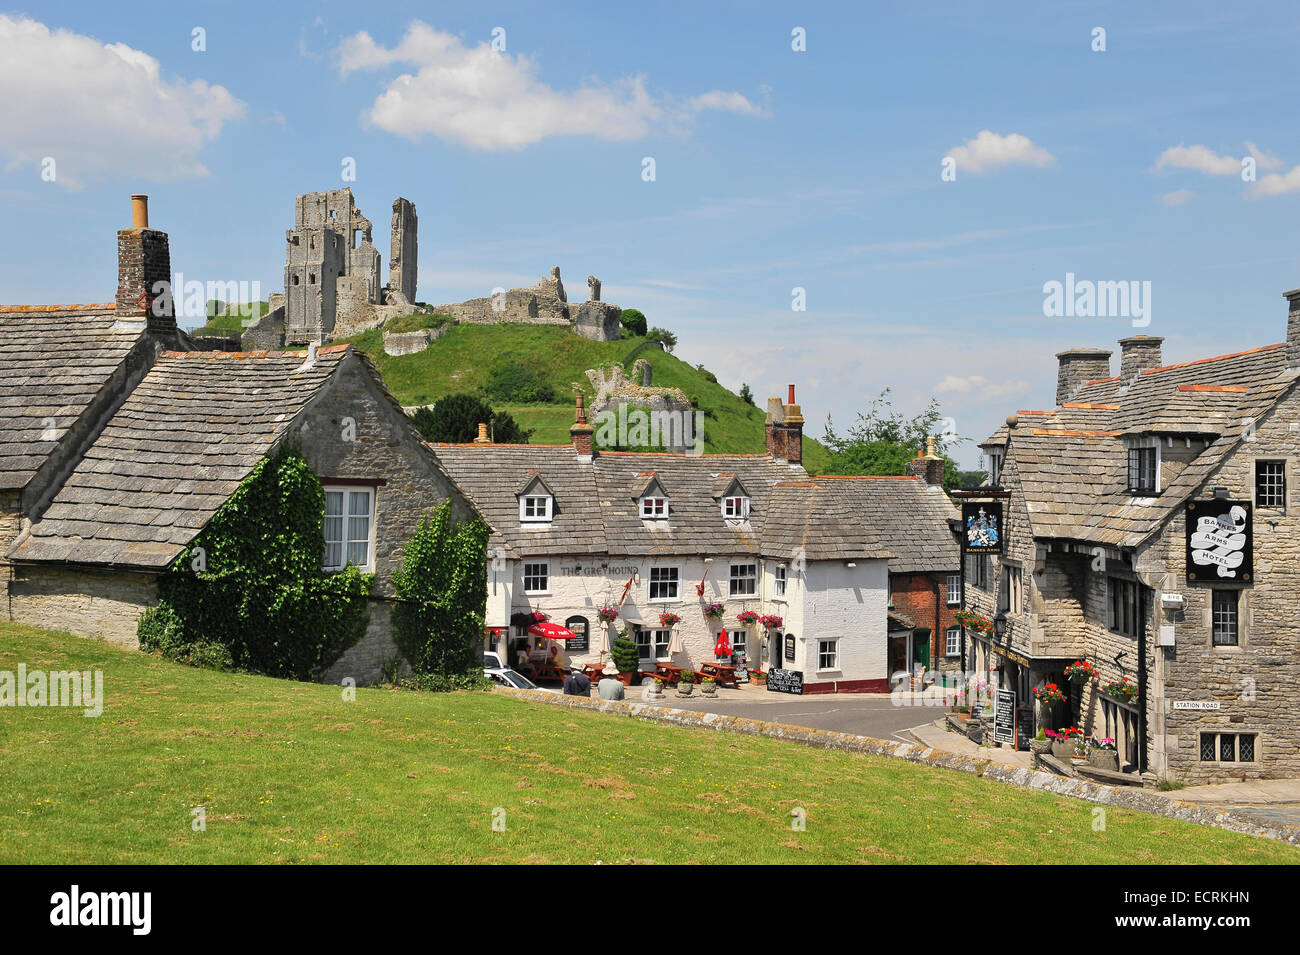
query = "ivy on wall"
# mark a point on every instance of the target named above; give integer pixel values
(249, 591)
(442, 589)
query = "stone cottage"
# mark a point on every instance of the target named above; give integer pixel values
(1150, 530)
(138, 439)
(577, 529)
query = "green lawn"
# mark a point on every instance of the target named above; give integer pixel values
(461, 360)
(290, 772)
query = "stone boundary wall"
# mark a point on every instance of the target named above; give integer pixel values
(1120, 797)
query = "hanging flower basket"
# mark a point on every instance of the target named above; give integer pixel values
(747, 617)
(607, 614)
(1049, 694)
(1123, 689)
(973, 621)
(1080, 671)
(669, 620)
(714, 611)
(772, 621)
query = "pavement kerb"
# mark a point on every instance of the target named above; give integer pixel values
(1122, 797)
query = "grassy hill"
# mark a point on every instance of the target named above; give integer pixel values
(289, 772)
(463, 358)
(231, 323)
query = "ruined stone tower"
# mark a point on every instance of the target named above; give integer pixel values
(402, 258)
(331, 265)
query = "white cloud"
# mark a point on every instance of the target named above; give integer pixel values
(1179, 197)
(1204, 159)
(1263, 158)
(988, 151)
(982, 387)
(483, 99)
(101, 110)
(1275, 184)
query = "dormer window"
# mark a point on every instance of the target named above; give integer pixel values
(535, 507)
(654, 508)
(1143, 470)
(735, 508)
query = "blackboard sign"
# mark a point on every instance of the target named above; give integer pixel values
(1024, 726)
(1219, 541)
(1004, 716)
(785, 681)
(581, 637)
(789, 646)
(981, 523)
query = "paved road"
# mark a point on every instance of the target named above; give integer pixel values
(861, 713)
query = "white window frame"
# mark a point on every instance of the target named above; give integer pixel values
(995, 467)
(735, 507)
(952, 642)
(954, 590)
(1281, 463)
(824, 654)
(780, 581)
(347, 491)
(733, 579)
(654, 508)
(537, 517)
(544, 574)
(1142, 444)
(675, 581)
(1010, 584)
(656, 641)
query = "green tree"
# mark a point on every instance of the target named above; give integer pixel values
(746, 395)
(663, 335)
(882, 440)
(454, 419)
(515, 383)
(633, 319)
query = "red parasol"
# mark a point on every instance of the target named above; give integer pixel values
(723, 647)
(551, 631)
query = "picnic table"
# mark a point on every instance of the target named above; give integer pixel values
(723, 674)
(670, 673)
(548, 671)
(595, 671)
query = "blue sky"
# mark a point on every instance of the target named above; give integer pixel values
(775, 169)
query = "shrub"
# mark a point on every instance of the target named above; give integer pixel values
(746, 395)
(447, 683)
(663, 335)
(688, 676)
(634, 321)
(625, 654)
(708, 375)
(519, 384)
(442, 592)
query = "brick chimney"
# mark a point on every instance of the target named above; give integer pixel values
(482, 434)
(784, 428)
(144, 271)
(583, 433)
(1293, 328)
(1077, 365)
(929, 466)
(1137, 354)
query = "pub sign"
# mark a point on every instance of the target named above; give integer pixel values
(981, 523)
(1220, 541)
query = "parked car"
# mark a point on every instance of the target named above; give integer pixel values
(504, 676)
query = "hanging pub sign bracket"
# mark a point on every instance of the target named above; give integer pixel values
(1220, 542)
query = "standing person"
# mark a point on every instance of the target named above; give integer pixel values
(609, 688)
(577, 684)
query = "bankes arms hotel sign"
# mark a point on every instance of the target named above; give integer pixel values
(1220, 541)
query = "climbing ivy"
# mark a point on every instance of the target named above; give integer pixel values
(442, 593)
(252, 582)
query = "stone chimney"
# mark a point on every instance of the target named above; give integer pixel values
(1293, 328)
(1077, 365)
(583, 433)
(482, 434)
(784, 427)
(1137, 354)
(929, 466)
(144, 271)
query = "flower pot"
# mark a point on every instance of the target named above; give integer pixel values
(1104, 759)
(684, 689)
(1040, 746)
(624, 678)
(708, 689)
(1063, 748)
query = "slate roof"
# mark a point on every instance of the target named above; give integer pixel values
(1072, 463)
(54, 359)
(595, 507)
(181, 443)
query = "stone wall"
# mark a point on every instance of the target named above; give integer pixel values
(265, 334)
(410, 343)
(90, 603)
(403, 254)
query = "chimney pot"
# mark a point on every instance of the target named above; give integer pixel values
(790, 400)
(1137, 354)
(139, 211)
(482, 434)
